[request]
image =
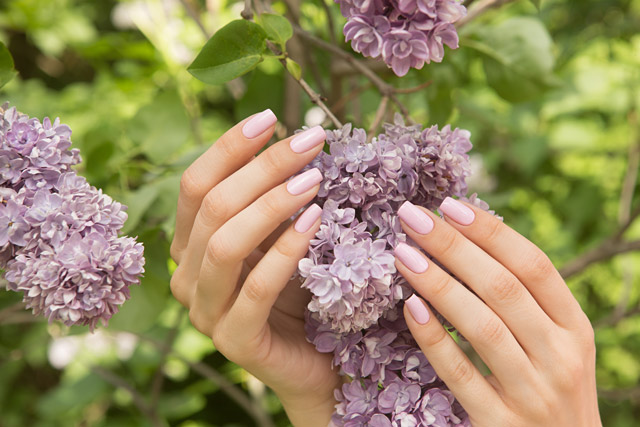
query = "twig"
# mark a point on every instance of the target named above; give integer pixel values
(331, 25)
(158, 378)
(632, 394)
(615, 318)
(380, 113)
(261, 418)
(193, 14)
(339, 105)
(607, 249)
(478, 9)
(313, 95)
(413, 89)
(138, 399)
(247, 12)
(383, 87)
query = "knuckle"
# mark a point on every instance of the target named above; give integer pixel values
(539, 267)
(440, 286)
(226, 148)
(437, 337)
(505, 288)
(461, 371)
(270, 206)
(572, 373)
(177, 288)
(212, 209)
(491, 231)
(448, 243)
(255, 289)
(270, 162)
(286, 249)
(198, 322)
(219, 250)
(492, 331)
(190, 188)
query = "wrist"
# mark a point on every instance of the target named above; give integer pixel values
(309, 411)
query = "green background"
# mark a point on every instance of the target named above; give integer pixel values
(550, 94)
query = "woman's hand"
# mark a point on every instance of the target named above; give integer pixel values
(520, 318)
(232, 276)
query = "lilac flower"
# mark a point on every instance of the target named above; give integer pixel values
(59, 241)
(399, 396)
(355, 310)
(406, 33)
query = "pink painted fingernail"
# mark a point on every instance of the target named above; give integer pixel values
(411, 258)
(417, 309)
(457, 211)
(304, 181)
(259, 123)
(415, 218)
(308, 139)
(308, 218)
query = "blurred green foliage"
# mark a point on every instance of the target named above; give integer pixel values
(550, 90)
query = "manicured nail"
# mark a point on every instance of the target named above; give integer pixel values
(417, 309)
(259, 123)
(415, 218)
(457, 211)
(308, 218)
(411, 258)
(304, 181)
(308, 139)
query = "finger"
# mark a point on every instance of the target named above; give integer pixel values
(247, 317)
(229, 153)
(486, 332)
(464, 380)
(524, 259)
(270, 168)
(492, 282)
(235, 240)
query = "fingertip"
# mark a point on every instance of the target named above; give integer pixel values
(308, 218)
(418, 309)
(259, 124)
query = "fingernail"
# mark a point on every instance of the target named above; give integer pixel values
(411, 258)
(308, 218)
(415, 218)
(417, 309)
(457, 211)
(304, 181)
(259, 123)
(308, 139)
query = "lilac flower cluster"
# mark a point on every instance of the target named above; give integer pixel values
(406, 33)
(357, 294)
(59, 241)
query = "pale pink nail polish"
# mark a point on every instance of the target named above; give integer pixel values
(417, 309)
(415, 218)
(457, 211)
(411, 258)
(308, 218)
(304, 181)
(308, 139)
(259, 123)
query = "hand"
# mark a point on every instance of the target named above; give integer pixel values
(232, 276)
(522, 320)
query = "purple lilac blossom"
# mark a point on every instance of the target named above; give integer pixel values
(405, 33)
(357, 295)
(59, 241)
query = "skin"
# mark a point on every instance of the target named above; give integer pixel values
(236, 253)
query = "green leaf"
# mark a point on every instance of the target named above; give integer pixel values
(536, 3)
(294, 69)
(277, 27)
(161, 127)
(7, 71)
(233, 51)
(518, 58)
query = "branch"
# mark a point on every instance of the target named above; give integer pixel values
(261, 418)
(607, 249)
(632, 394)
(383, 87)
(138, 399)
(382, 111)
(478, 8)
(158, 379)
(614, 318)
